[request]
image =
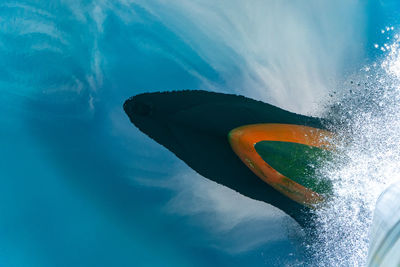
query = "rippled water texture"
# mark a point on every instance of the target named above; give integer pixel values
(80, 186)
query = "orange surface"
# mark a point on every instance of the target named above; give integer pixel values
(243, 139)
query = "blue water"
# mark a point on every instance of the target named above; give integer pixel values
(80, 186)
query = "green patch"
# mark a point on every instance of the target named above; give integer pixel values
(298, 162)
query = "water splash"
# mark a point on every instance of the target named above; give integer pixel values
(367, 120)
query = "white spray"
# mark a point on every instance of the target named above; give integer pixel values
(368, 123)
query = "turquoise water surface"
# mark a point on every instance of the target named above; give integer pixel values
(81, 186)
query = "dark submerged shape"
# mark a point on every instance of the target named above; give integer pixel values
(194, 125)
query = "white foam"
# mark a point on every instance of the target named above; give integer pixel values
(368, 161)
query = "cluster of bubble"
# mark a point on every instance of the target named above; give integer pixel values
(367, 121)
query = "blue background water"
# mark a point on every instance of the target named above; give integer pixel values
(74, 173)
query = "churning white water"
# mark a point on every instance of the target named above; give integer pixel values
(367, 119)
